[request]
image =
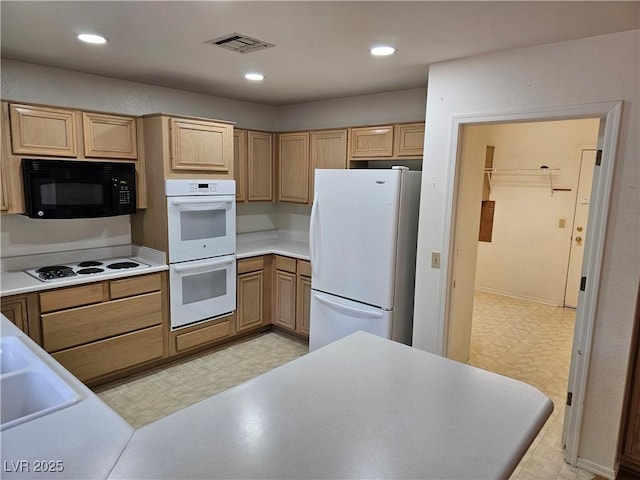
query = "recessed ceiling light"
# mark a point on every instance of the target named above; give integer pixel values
(256, 77)
(382, 51)
(91, 38)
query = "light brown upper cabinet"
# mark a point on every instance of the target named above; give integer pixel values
(328, 150)
(253, 165)
(51, 132)
(386, 142)
(240, 163)
(293, 167)
(109, 136)
(369, 142)
(409, 140)
(259, 166)
(39, 130)
(201, 146)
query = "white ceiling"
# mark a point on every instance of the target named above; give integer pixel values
(321, 47)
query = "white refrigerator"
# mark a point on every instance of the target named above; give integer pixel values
(362, 237)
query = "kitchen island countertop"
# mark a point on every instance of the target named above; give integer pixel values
(362, 407)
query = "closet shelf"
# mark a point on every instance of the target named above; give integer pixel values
(546, 172)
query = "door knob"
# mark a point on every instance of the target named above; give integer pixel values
(579, 229)
(578, 240)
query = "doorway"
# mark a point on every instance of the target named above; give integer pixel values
(461, 261)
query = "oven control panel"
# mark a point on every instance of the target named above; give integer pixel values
(179, 187)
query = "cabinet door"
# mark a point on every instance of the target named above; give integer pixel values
(259, 166)
(240, 164)
(43, 131)
(328, 150)
(249, 313)
(200, 146)
(24, 312)
(409, 140)
(15, 309)
(285, 300)
(7, 158)
(293, 167)
(109, 136)
(303, 305)
(371, 142)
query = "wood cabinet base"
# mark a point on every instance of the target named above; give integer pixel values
(100, 358)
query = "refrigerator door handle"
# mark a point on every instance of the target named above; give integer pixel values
(347, 309)
(312, 232)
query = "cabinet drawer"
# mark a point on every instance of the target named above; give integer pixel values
(73, 327)
(70, 297)
(252, 264)
(304, 268)
(202, 336)
(285, 263)
(107, 356)
(128, 287)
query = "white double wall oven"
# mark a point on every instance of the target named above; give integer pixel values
(201, 217)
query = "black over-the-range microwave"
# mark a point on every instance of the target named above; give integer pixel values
(78, 189)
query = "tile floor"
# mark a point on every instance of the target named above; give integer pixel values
(530, 342)
(520, 339)
(147, 397)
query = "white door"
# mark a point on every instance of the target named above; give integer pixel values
(201, 227)
(353, 234)
(587, 162)
(333, 318)
(202, 289)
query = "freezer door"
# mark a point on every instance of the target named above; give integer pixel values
(353, 234)
(333, 318)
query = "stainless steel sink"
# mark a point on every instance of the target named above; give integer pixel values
(29, 388)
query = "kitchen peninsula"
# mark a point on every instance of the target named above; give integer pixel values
(361, 407)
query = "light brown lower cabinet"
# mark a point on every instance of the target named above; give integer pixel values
(303, 305)
(23, 312)
(96, 359)
(292, 292)
(254, 293)
(201, 335)
(250, 299)
(99, 329)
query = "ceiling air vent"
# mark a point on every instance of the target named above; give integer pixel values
(236, 42)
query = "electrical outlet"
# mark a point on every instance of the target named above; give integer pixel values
(435, 259)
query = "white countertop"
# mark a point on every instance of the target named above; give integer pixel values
(13, 280)
(86, 438)
(272, 241)
(362, 407)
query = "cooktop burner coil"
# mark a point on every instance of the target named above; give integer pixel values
(121, 265)
(90, 270)
(90, 263)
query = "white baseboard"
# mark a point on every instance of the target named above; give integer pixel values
(596, 469)
(545, 301)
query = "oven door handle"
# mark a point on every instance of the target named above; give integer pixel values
(180, 269)
(195, 204)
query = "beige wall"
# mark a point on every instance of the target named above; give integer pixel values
(27, 82)
(596, 69)
(529, 254)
